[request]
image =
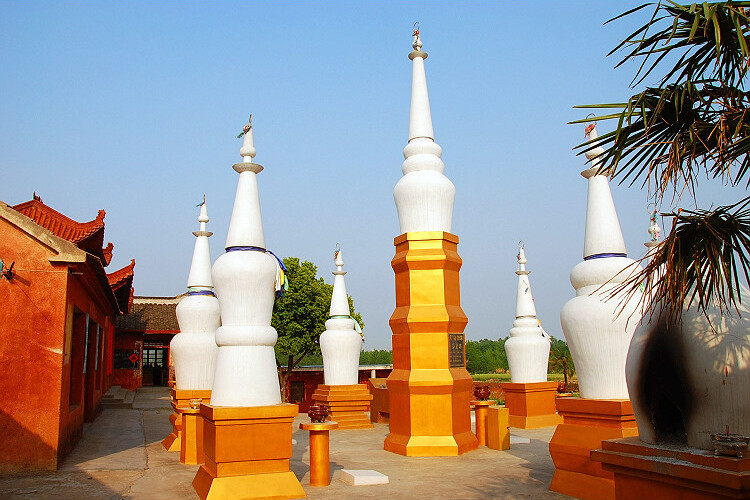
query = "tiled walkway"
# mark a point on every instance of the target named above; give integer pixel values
(120, 456)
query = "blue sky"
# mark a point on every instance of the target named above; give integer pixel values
(134, 107)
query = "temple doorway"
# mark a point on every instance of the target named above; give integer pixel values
(155, 366)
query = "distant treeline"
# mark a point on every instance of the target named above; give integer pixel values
(488, 356)
(374, 357)
(482, 356)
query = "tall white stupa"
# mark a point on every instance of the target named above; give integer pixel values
(599, 323)
(527, 348)
(429, 388)
(340, 343)
(194, 348)
(245, 279)
(424, 195)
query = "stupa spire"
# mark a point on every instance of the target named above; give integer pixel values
(424, 196)
(339, 299)
(603, 233)
(420, 117)
(200, 268)
(524, 299)
(246, 225)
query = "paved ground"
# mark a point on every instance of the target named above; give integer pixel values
(121, 457)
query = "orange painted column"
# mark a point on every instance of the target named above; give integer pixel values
(531, 405)
(320, 461)
(429, 389)
(191, 439)
(586, 423)
(480, 412)
(182, 400)
(247, 452)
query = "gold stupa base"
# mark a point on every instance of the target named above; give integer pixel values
(247, 452)
(347, 404)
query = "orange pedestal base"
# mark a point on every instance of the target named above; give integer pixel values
(181, 400)
(191, 439)
(498, 434)
(247, 452)
(173, 441)
(429, 388)
(531, 405)
(586, 423)
(347, 404)
(649, 471)
(480, 414)
(320, 461)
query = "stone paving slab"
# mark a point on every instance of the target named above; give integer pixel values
(121, 457)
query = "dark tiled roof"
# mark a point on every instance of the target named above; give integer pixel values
(151, 314)
(121, 282)
(88, 236)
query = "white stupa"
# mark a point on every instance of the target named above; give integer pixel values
(246, 277)
(340, 343)
(194, 348)
(424, 196)
(527, 348)
(597, 325)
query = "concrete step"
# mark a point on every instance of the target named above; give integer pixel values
(123, 400)
(111, 392)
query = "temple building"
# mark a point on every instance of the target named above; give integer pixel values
(142, 337)
(56, 330)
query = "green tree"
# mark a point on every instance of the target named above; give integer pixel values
(694, 122)
(560, 360)
(486, 356)
(376, 357)
(299, 316)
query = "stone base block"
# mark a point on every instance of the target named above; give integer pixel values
(270, 486)
(362, 477)
(182, 400)
(247, 452)
(347, 404)
(174, 440)
(191, 439)
(531, 405)
(586, 423)
(498, 434)
(651, 471)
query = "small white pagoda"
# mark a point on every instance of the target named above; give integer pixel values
(530, 399)
(246, 427)
(340, 343)
(347, 400)
(527, 348)
(194, 349)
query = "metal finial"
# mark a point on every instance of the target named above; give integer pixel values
(246, 128)
(417, 45)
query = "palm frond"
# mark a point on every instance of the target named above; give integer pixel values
(702, 262)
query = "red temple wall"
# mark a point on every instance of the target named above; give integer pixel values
(42, 352)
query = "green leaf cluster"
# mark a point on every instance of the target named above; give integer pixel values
(694, 122)
(486, 356)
